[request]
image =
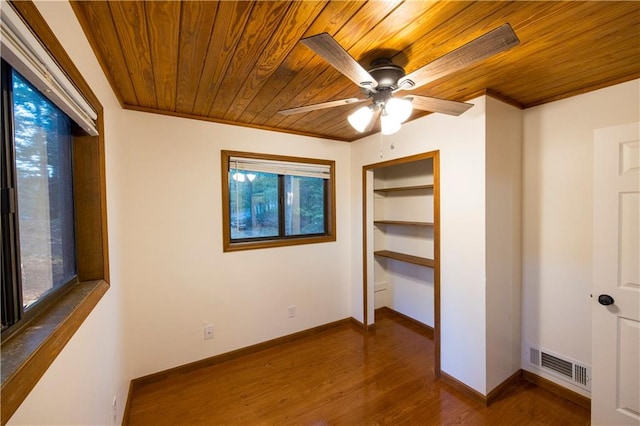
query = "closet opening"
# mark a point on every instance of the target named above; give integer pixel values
(401, 242)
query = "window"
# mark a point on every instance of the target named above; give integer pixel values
(38, 216)
(271, 201)
(39, 132)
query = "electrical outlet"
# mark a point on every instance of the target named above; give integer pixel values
(114, 409)
(292, 311)
(208, 332)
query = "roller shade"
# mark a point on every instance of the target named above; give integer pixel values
(322, 171)
(24, 52)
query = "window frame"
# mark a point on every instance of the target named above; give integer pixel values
(27, 354)
(230, 245)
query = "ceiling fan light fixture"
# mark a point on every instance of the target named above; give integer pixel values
(361, 118)
(388, 124)
(399, 108)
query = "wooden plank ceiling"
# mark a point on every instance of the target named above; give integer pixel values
(241, 62)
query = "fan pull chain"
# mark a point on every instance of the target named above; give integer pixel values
(392, 146)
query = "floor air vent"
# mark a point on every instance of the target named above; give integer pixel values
(561, 367)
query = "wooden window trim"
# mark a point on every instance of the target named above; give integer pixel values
(229, 246)
(27, 354)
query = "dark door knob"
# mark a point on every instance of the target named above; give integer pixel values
(605, 299)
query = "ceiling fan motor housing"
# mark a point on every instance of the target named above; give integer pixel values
(386, 73)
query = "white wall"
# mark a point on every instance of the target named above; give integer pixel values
(557, 217)
(503, 240)
(79, 386)
(176, 274)
(461, 141)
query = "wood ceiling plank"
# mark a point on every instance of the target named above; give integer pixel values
(196, 28)
(402, 35)
(262, 105)
(295, 23)
(130, 23)
(563, 72)
(579, 90)
(232, 15)
(580, 81)
(472, 22)
(97, 24)
(508, 80)
(163, 20)
(265, 17)
(609, 47)
(462, 87)
(544, 40)
(273, 95)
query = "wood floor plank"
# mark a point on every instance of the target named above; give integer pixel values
(339, 377)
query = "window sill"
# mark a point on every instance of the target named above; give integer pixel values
(251, 245)
(27, 355)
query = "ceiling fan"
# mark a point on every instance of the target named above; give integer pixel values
(384, 78)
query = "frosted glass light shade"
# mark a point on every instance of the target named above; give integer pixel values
(388, 124)
(361, 118)
(399, 108)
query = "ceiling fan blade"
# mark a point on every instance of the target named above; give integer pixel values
(328, 48)
(444, 106)
(489, 44)
(322, 105)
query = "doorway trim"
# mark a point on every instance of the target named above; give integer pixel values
(435, 156)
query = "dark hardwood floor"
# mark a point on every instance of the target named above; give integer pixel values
(339, 377)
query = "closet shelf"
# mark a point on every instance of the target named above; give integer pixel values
(403, 188)
(401, 222)
(416, 260)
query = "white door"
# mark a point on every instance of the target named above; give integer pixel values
(615, 390)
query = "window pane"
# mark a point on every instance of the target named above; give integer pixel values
(45, 192)
(304, 205)
(253, 203)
